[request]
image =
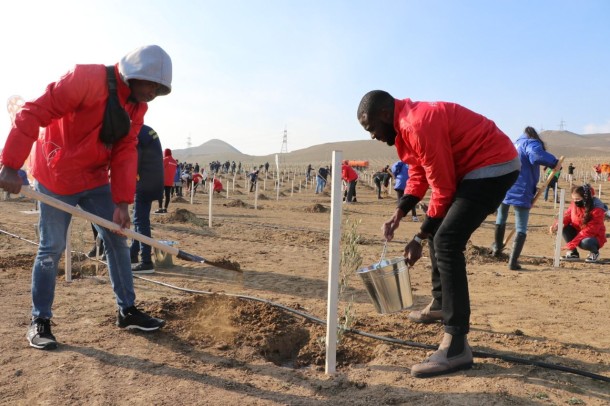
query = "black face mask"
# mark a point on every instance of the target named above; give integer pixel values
(579, 203)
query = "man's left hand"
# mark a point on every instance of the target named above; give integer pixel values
(121, 216)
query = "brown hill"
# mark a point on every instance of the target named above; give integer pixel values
(558, 142)
(576, 145)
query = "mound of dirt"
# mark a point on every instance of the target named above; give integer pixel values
(316, 208)
(225, 263)
(261, 196)
(184, 216)
(236, 203)
(179, 199)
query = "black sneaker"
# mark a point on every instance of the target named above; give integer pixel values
(133, 318)
(143, 268)
(39, 334)
(134, 259)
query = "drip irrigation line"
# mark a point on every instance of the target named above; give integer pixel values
(37, 244)
(479, 354)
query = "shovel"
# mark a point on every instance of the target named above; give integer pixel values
(75, 211)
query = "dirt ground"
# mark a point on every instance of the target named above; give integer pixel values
(253, 337)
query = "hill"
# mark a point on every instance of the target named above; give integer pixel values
(558, 142)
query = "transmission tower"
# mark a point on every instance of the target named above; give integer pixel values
(285, 142)
(188, 141)
(561, 124)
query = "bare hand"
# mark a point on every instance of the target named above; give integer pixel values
(553, 229)
(413, 251)
(10, 180)
(391, 225)
(121, 216)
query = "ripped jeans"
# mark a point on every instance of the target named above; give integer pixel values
(53, 226)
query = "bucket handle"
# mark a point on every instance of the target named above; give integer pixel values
(385, 246)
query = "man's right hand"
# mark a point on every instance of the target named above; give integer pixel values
(392, 224)
(10, 180)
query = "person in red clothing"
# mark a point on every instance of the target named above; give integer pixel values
(169, 171)
(583, 223)
(217, 185)
(469, 164)
(72, 161)
(349, 175)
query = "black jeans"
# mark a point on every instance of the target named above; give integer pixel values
(474, 200)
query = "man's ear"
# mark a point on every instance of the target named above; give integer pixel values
(386, 115)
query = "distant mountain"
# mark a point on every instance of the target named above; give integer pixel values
(558, 142)
(571, 144)
(211, 147)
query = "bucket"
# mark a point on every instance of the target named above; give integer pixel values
(162, 258)
(388, 284)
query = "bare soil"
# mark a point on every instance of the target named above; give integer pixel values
(255, 335)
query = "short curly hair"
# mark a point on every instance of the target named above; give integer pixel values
(374, 101)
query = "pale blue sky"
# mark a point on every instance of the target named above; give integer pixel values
(245, 70)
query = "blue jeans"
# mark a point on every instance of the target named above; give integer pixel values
(522, 215)
(320, 184)
(474, 200)
(141, 223)
(53, 226)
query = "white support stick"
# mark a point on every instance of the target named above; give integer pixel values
(210, 203)
(334, 258)
(558, 241)
(69, 253)
(256, 197)
(292, 189)
(555, 192)
(265, 183)
(192, 191)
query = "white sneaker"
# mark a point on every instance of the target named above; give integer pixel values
(415, 219)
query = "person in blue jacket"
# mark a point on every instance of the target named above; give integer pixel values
(400, 173)
(149, 187)
(532, 153)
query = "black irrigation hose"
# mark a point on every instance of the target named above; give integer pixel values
(479, 354)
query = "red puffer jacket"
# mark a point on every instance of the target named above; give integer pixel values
(68, 156)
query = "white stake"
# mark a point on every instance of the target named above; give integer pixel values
(210, 203)
(292, 189)
(256, 197)
(68, 253)
(334, 257)
(192, 191)
(558, 241)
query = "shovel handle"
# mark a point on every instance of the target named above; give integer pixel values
(75, 211)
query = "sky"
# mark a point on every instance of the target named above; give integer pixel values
(246, 71)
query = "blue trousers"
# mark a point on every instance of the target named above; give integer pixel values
(53, 226)
(141, 223)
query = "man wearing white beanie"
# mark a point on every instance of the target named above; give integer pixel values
(88, 132)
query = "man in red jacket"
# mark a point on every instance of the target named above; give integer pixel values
(71, 162)
(469, 164)
(169, 172)
(349, 175)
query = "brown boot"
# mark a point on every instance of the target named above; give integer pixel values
(439, 364)
(426, 315)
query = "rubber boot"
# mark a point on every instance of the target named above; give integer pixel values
(518, 244)
(498, 245)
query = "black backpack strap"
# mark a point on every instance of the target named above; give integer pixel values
(111, 80)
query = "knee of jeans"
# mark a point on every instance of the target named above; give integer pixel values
(47, 263)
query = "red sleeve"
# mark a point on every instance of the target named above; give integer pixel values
(430, 138)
